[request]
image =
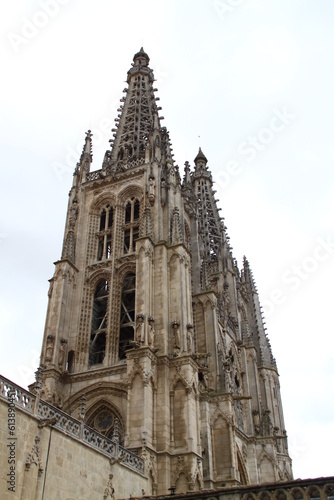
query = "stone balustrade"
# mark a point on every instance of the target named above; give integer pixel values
(63, 422)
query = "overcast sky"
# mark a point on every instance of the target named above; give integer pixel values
(252, 82)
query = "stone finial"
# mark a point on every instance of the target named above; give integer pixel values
(115, 435)
(200, 157)
(83, 408)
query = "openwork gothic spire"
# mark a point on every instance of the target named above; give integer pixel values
(210, 226)
(138, 113)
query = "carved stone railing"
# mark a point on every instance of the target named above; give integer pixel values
(135, 163)
(95, 175)
(65, 423)
(21, 398)
(62, 420)
(131, 460)
(99, 441)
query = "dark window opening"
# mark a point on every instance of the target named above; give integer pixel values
(125, 337)
(127, 314)
(108, 246)
(70, 362)
(110, 217)
(105, 235)
(131, 231)
(136, 210)
(97, 349)
(99, 323)
(103, 221)
(128, 213)
(126, 240)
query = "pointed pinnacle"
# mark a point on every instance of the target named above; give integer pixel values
(200, 157)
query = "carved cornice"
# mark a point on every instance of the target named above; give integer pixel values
(119, 178)
(97, 373)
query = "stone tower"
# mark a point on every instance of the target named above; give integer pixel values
(150, 318)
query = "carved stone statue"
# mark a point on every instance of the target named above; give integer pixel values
(176, 333)
(140, 329)
(190, 339)
(151, 332)
(62, 353)
(49, 348)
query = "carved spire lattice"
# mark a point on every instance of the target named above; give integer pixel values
(138, 113)
(210, 226)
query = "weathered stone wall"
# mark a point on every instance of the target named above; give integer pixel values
(47, 459)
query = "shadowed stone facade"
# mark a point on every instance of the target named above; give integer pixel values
(151, 319)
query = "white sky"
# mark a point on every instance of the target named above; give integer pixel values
(226, 70)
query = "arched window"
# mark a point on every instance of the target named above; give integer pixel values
(131, 226)
(127, 314)
(70, 361)
(99, 323)
(105, 232)
(107, 422)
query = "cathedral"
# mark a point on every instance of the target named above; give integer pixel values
(153, 333)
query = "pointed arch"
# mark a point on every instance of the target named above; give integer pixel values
(178, 404)
(102, 416)
(136, 370)
(220, 413)
(222, 453)
(178, 378)
(100, 201)
(182, 478)
(129, 192)
(174, 256)
(266, 467)
(96, 276)
(105, 391)
(182, 483)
